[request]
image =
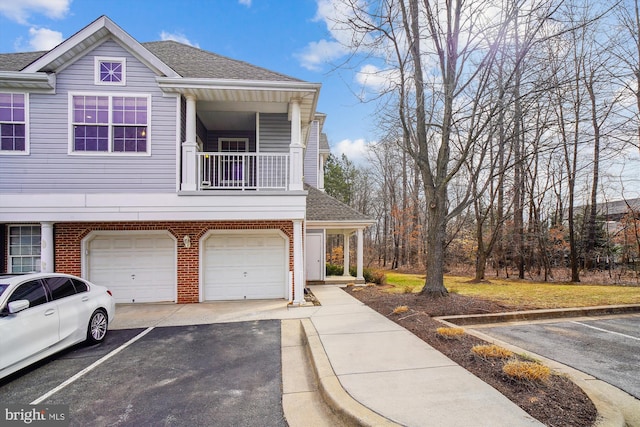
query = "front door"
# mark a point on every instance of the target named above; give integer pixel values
(234, 167)
(314, 250)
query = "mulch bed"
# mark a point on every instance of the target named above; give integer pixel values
(556, 402)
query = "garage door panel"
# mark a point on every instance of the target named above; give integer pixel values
(136, 268)
(250, 266)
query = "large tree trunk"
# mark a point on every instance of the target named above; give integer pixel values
(436, 235)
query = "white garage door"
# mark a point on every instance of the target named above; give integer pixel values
(136, 268)
(245, 266)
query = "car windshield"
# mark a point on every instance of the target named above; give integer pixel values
(2, 288)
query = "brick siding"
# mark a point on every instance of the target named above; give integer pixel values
(68, 238)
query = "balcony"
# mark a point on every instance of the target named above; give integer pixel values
(242, 171)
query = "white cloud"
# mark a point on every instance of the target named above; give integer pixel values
(376, 79)
(178, 37)
(245, 2)
(44, 38)
(20, 10)
(335, 14)
(355, 150)
(316, 54)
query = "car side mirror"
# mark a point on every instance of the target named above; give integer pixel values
(18, 305)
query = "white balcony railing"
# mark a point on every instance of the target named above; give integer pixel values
(243, 171)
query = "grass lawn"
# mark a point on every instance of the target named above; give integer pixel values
(524, 293)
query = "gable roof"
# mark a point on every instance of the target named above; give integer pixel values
(323, 208)
(86, 39)
(179, 60)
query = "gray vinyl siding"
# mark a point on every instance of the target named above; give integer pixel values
(49, 167)
(275, 133)
(311, 156)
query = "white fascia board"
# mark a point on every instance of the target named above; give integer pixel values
(118, 33)
(230, 84)
(150, 207)
(340, 225)
(20, 80)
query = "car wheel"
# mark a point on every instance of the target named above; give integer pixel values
(97, 328)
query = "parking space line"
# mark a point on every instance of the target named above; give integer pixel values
(92, 366)
(606, 330)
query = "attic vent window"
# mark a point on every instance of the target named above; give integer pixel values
(110, 71)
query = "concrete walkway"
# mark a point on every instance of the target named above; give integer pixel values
(397, 375)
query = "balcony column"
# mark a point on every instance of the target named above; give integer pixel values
(295, 149)
(46, 247)
(298, 263)
(345, 254)
(190, 148)
(360, 259)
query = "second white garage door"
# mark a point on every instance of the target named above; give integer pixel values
(136, 268)
(245, 266)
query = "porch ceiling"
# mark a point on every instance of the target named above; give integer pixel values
(240, 95)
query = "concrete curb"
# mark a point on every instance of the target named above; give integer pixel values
(615, 407)
(557, 313)
(343, 405)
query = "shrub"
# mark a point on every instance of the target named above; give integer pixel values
(401, 309)
(526, 371)
(491, 351)
(334, 270)
(370, 275)
(450, 333)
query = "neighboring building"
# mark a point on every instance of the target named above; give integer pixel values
(162, 171)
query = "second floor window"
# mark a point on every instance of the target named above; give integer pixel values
(13, 123)
(110, 124)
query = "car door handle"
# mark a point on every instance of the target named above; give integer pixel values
(85, 299)
(49, 312)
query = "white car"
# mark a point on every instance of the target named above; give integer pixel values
(43, 313)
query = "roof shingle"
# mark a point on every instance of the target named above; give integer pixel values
(188, 61)
(322, 207)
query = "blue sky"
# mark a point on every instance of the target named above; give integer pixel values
(296, 38)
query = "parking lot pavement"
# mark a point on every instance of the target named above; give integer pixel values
(219, 374)
(607, 348)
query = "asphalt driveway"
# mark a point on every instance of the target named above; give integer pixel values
(608, 349)
(226, 374)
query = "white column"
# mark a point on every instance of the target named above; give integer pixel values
(190, 148)
(295, 148)
(360, 259)
(46, 247)
(298, 263)
(346, 254)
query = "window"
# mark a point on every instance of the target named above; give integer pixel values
(110, 124)
(24, 249)
(13, 123)
(110, 71)
(80, 285)
(32, 291)
(60, 287)
(233, 165)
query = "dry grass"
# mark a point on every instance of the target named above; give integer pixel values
(400, 309)
(491, 351)
(450, 333)
(524, 293)
(526, 371)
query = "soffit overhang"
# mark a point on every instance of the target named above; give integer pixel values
(237, 92)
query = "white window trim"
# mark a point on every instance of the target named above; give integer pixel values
(110, 125)
(26, 128)
(96, 70)
(9, 256)
(223, 139)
